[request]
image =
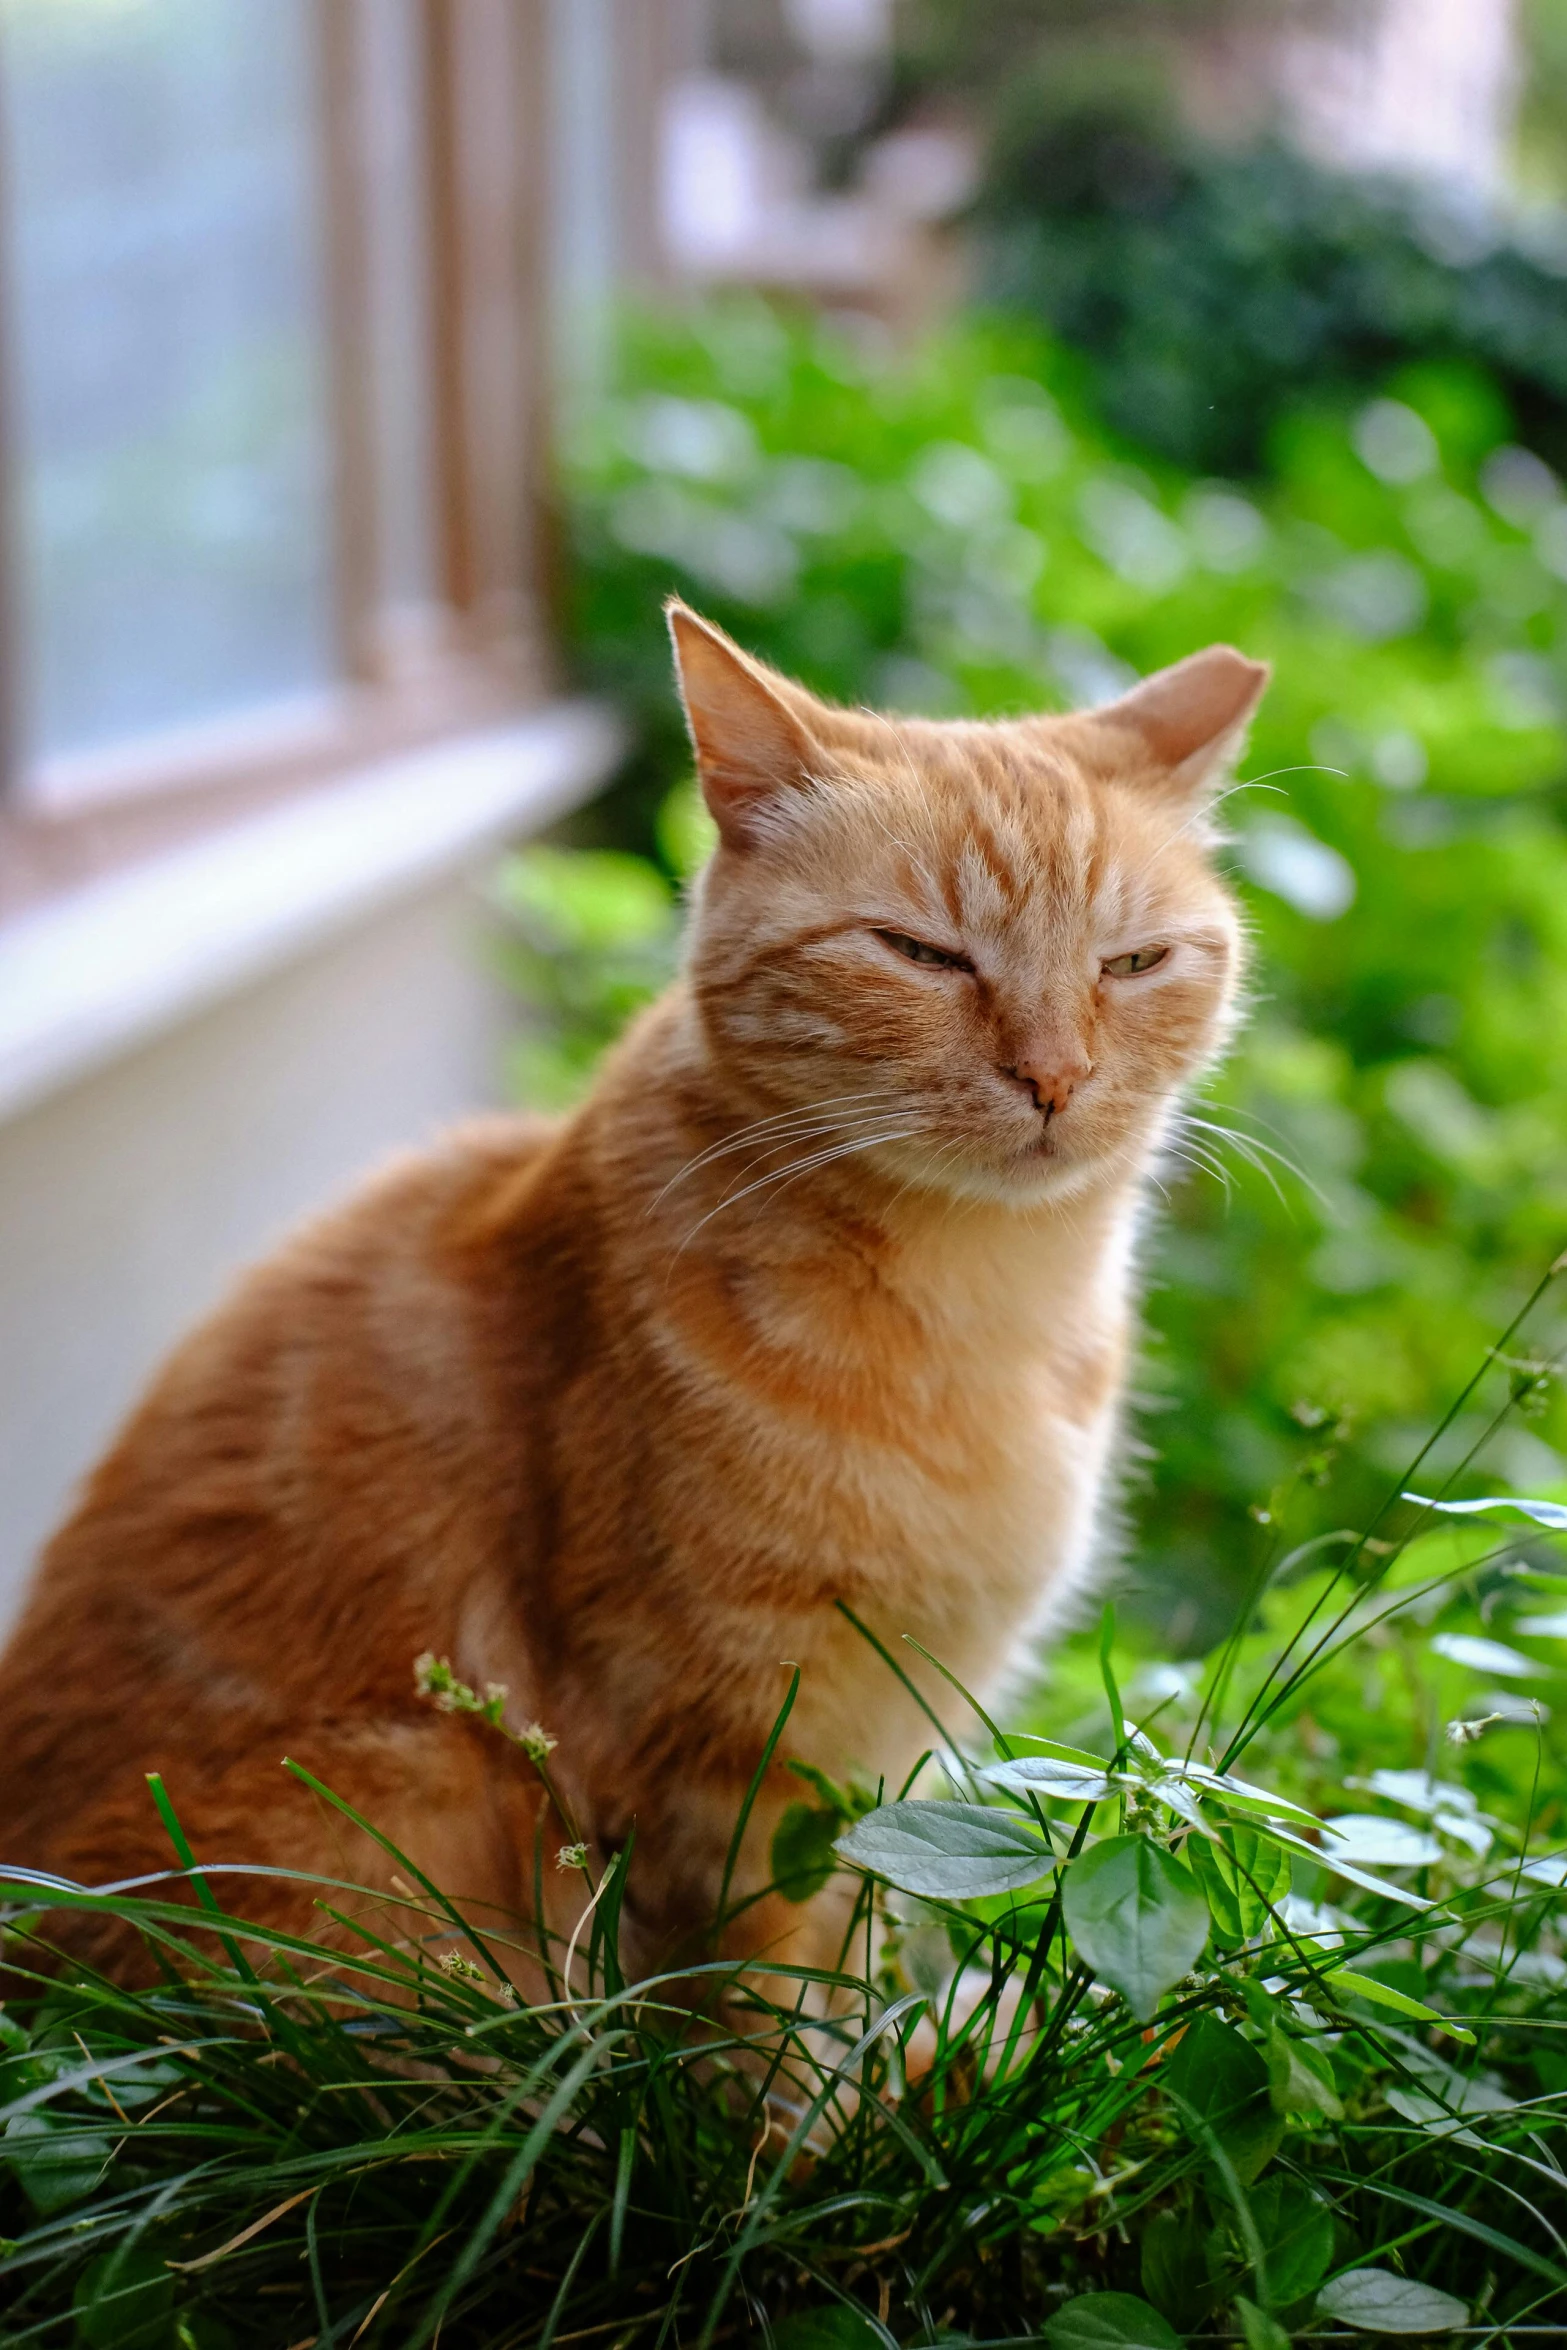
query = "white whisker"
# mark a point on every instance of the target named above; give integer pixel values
(780, 1118)
(841, 1150)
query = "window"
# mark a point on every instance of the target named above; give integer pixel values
(268, 289)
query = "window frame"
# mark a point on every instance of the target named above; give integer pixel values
(477, 649)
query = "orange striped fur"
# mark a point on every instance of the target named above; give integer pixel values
(823, 1296)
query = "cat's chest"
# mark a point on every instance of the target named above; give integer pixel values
(945, 1446)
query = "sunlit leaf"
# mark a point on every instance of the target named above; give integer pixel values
(1048, 1774)
(947, 1851)
(1381, 2303)
(1487, 1656)
(1544, 1513)
(1137, 1917)
(1374, 1842)
(1345, 1978)
(1240, 1792)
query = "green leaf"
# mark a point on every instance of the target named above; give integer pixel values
(1049, 1774)
(1344, 1978)
(1175, 2271)
(1297, 2238)
(57, 2162)
(1219, 2085)
(1300, 2077)
(803, 1855)
(946, 1851)
(1260, 2331)
(125, 2301)
(836, 2327)
(1242, 1874)
(1381, 2303)
(1109, 2321)
(1214, 2071)
(1137, 1917)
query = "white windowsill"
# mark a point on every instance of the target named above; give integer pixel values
(86, 978)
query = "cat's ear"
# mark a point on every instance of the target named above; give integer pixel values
(750, 744)
(1189, 722)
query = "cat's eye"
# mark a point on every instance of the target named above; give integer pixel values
(919, 950)
(1133, 965)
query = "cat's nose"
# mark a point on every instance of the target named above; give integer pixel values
(1052, 1077)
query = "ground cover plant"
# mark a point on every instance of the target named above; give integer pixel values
(1219, 2004)
(956, 529)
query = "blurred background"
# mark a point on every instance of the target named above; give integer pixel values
(371, 369)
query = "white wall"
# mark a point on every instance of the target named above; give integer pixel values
(128, 1201)
(325, 1018)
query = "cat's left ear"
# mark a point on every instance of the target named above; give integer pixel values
(1188, 723)
(751, 745)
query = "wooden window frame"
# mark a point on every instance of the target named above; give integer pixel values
(480, 648)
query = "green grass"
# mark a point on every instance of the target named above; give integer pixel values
(1180, 2069)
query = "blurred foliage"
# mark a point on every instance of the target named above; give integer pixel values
(954, 532)
(1212, 287)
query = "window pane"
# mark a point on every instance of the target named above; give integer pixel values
(167, 362)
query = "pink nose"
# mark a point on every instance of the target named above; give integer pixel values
(1052, 1077)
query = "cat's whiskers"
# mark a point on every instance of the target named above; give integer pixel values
(790, 1174)
(818, 1132)
(780, 1119)
(1256, 1154)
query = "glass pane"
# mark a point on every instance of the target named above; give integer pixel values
(167, 362)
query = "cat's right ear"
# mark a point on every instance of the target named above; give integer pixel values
(749, 744)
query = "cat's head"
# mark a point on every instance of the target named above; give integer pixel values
(983, 957)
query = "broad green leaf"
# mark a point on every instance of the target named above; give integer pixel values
(1174, 2268)
(1241, 1873)
(1297, 2238)
(835, 2327)
(1381, 2303)
(1345, 1978)
(1109, 2321)
(947, 1851)
(803, 1855)
(1137, 1917)
(1214, 2070)
(1544, 1513)
(125, 2301)
(57, 2162)
(1258, 2329)
(1300, 2078)
(1218, 2083)
(1048, 1774)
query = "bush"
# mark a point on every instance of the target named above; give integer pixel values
(1212, 288)
(957, 533)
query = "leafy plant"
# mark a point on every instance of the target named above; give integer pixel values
(1155, 2039)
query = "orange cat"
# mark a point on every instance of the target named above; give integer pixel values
(823, 1295)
